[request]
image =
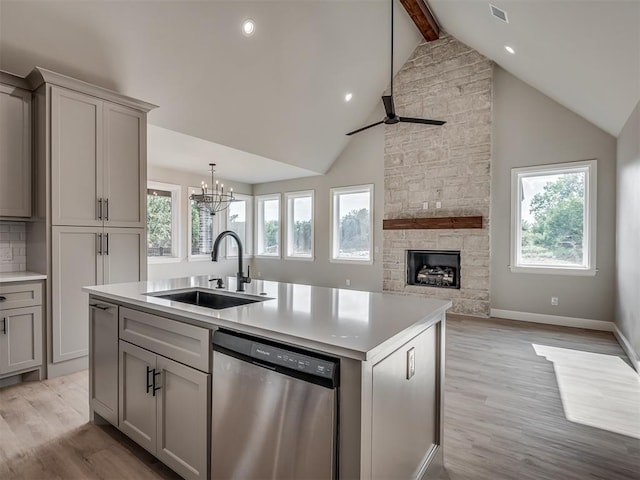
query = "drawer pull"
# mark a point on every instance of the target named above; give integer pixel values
(4, 325)
(2, 299)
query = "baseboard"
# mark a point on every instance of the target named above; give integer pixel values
(554, 320)
(628, 349)
(65, 368)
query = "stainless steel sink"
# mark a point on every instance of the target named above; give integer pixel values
(208, 298)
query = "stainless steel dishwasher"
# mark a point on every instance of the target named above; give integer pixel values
(274, 411)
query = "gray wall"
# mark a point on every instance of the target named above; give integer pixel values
(360, 163)
(627, 314)
(185, 267)
(531, 129)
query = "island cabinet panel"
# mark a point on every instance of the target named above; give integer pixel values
(179, 341)
(137, 405)
(405, 408)
(15, 152)
(103, 360)
(183, 418)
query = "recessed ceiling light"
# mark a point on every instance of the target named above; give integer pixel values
(509, 49)
(348, 97)
(248, 27)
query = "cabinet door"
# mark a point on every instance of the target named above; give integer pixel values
(103, 360)
(15, 152)
(137, 404)
(76, 158)
(125, 255)
(75, 262)
(182, 432)
(124, 180)
(20, 339)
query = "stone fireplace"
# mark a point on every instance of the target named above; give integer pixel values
(443, 171)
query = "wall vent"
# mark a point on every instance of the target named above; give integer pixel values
(499, 13)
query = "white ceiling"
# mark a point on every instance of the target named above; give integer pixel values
(583, 54)
(278, 94)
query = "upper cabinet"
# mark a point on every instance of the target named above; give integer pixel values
(15, 151)
(98, 152)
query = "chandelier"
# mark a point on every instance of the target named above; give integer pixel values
(213, 199)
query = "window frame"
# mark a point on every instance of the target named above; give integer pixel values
(176, 196)
(215, 225)
(288, 215)
(258, 213)
(590, 168)
(334, 229)
(248, 232)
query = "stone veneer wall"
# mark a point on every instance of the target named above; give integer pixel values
(444, 80)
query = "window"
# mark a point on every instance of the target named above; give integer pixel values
(163, 207)
(268, 225)
(554, 218)
(239, 220)
(203, 229)
(299, 215)
(351, 214)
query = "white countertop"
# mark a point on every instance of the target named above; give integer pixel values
(21, 277)
(351, 323)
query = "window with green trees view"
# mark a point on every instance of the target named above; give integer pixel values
(554, 221)
(161, 220)
(268, 225)
(351, 213)
(299, 216)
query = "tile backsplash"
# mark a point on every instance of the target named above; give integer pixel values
(13, 247)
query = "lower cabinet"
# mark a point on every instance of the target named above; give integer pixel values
(163, 406)
(20, 339)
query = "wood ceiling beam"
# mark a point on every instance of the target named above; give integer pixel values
(422, 17)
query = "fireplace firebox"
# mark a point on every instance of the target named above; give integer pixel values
(433, 268)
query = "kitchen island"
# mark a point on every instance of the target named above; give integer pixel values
(389, 348)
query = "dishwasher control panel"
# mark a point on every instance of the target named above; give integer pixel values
(293, 360)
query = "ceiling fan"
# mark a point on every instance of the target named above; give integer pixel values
(391, 116)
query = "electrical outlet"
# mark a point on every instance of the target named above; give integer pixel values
(554, 301)
(259, 274)
(411, 363)
(348, 282)
(376, 249)
(425, 205)
(5, 254)
(438, 204)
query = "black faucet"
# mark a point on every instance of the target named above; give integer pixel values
(241, 279)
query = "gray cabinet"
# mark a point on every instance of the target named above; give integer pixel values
(87, 256)
(98, 167)
(103, 360)
(20, 327)
(163, 406)
(15, 152)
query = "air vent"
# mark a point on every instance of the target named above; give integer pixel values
(498, 13)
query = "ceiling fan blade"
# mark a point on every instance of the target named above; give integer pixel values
(422, 120)
(364, 128)
(388, 106)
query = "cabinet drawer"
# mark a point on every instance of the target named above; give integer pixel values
(20, 294)
(179, 341)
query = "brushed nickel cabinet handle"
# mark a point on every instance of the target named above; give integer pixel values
(99, 243)
(99, 307)
(106, 249)
(99, 209)
(106, 209)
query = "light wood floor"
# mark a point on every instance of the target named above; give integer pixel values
(504, 417)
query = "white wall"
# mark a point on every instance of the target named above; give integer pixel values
(627, 314)
(531, 129)
(184, 267)
(360, 163)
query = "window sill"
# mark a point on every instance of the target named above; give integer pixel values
(160, 260)
(199, 258)
(304, 259)
(267, 257)
(580, 272)
(351, 262)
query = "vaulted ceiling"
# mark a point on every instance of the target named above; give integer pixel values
(279, 94)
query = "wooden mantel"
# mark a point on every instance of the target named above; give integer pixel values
(431, 223)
